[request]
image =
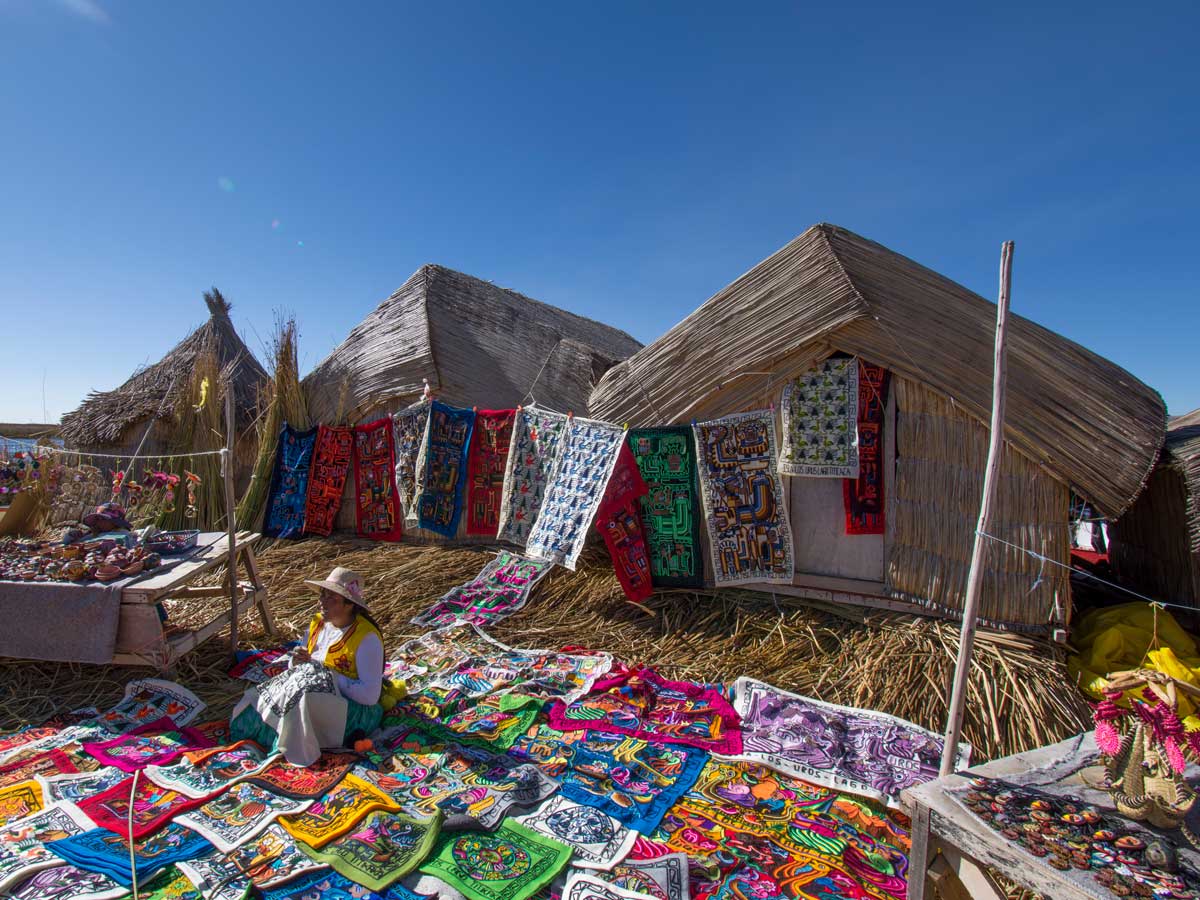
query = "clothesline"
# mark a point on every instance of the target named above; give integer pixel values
(131, 457)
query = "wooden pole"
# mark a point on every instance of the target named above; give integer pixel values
(231, 519)
(991, 477)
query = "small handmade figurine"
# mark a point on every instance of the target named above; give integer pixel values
(193, 481)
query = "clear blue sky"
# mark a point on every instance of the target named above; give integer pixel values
(621, 161)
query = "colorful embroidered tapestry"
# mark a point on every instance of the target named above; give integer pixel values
(75, 786)
(153, 807)
(847, 749)
(11, 742)
(169, 884)
(487, 461)
(442, 468)
(647, 706)
(327, 479)
(328, 885)
(47, 762)
(201, 774)
(664, 877)
(23, 849)
(99, 850)
(493, 722)
(749, 538)
(272, 858)
(500, 670)
(619, 521)
(261, 665)
(536, 440)
(20, 800)
(409, 425)
(376, 506)
(288, 495)
(147, 699)
(242, 812)
(420, 660)
(511, 863)
(597, 840)
(864, 497)
(153, 744)
(334, 814)
(820, 417)
(70, 883)
(382, 849)
(586, 886)
(671, 509)
(305, 782)
(575, 488)
(500, 589)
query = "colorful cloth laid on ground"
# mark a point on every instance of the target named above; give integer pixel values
(99, 850)
(261, 665)
(303, 708)
(863, 495)
(305, 782)
(420, 660)
(536, 440)
(23, 849)
(328, 885)
(201, 774)
(645, 705)
(664, 877)
(272, 858)
(409, 425)
(511, 863)
(75, 786)
(153, 744)
(12, 742)
(745, 512)
(487, 461)
(153, 807)
(288, 495)
(169, 884)
(666, 457)
(619, 521)
(442, 468)
(376, 504)
(68, 883)
(820, 421)
(45, 762)
(492, 722)
(147, 699)
(382, 849)
(20, 800)
(847, 749)
(597, 840)
(334, 814)
(500, 589)
(242, 812)
(586, 886)
(332, 454)
(575, 488)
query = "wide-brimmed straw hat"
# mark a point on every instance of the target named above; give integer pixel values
(344, 583)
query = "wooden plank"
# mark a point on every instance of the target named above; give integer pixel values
(156, 587)
(167, 652)
(975, 880)
(918, 855)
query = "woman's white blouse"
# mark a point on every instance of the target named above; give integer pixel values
(368, 660)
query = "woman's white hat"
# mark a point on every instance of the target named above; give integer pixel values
(344, 583)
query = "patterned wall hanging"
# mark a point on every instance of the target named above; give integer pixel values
(666, 457)
(409, 425)
(864, 497)
(536, 439)
(288, 496)
(500, 589)
(820, 418)
(443, 468)
(487, 461)
(376, 505)
(619, 521)
(327, 479)
(576, 487)
(749, 537)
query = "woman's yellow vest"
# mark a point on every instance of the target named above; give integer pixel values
(342, 655)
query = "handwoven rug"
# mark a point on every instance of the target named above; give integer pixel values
(864, 495)
(511, 863)
(536, 440)
(596, 839)
(500, 589)
(20, 800)
(376, 503)
(422, 659)
(305, 782)
(153, 807)
(860, 751)
(409, 426)
(339, 810)
(329, 885)
(332, 456)
(442, 468)
(671, 509)
(542, 674)
(820, 417)
(147, 699)
(77, 785)
(23, 849)
(201, 774)
(153, 744)
(99, 850)
(382, 849)
(69, 883)
(645, 705)
(487, 461)
(619, 521)
(746, 515)
(240, 813)
(288, 494)
(272, 858)
(574, 490)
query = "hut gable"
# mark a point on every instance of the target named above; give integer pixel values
(1182, 453)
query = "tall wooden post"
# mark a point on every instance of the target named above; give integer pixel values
(962, 669)
(231, 519)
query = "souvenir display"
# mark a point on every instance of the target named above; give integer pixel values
(619, 521)
(376, 507)
(147, 699)
(332, 456)
(265, 861)
(533, 450)
(152, 807)
(511, 863)
(409, 425)
(304, 782)
(288, 494)
(339, 810)
(383, 848)
(257, 666)
(487, 461)
(99, 850)
(596, 839)
(239, 814)
(19, 800)
(864, 494)
(201, 774)
(666, 457)
(500, 589)
(67, 883)
(152, 744)
(442, 468)
(820, 419)
(27, 845)
(75, 786)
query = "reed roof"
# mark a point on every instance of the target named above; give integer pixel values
(1088, 421)
(1182, 452)
(476, 343)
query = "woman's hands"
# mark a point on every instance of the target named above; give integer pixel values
(301, 655)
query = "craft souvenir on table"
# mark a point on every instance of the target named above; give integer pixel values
(575, 488)
(409, 425)
(99, 850)
(272, 858)
(332, 454)
(666, 457)
(597, 840)
(619, 521)
(69, 883)
(664, 877)
(861, 751)
(261, 665)
(383, 848)
(334, 814)
(863, 496)
(820, 421)
(586, 886)
(442, 468)
(500, 589)
(536, 440)
(487, 461)
(288, 494)
(20, 800)
(147, 699)
(511, 863)
(23, 844)
(329, 885)
(46, 762)
(376, 507)
(647, 706)
(152, 744)
(305, 782)
(749, 538)
(77, 785)
(153, 807)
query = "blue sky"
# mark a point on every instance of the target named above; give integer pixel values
(623, 161)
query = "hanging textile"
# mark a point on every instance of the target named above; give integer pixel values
(377, 508)
(288, 495)
(327, 479)
(666, 457)
(442, 466)
(487, 461)
(749, 537)
(863, 495)
(576, 487)
(820, 418)
(409, 425)
(536, 440)
(500, 589)
(619, 521)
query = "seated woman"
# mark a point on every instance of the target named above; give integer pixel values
(330, 694)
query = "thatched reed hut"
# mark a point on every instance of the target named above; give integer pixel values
(1074, 421)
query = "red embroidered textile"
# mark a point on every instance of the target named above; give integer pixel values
(327, 479)
(863, 496)
(376, 503)
(619, 521)
(153, 807)
(486, 461)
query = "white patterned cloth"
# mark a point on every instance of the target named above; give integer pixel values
(410, 426)
(820, 421)
(536, 439)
